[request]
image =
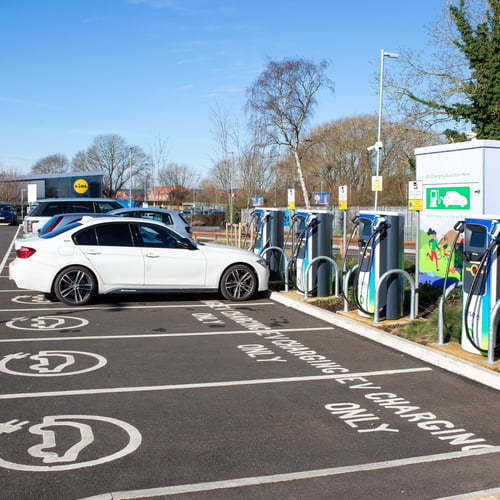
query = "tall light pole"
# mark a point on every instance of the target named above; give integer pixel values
(22, 203)
(378, 145)
(130, 173)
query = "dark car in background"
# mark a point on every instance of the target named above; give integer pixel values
(8, 214)
(45, 209)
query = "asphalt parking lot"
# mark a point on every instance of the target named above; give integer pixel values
(194, 397)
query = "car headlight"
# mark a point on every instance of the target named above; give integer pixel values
(262, 261)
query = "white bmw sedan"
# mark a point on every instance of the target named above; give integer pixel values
(123, 255)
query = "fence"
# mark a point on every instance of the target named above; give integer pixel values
(411, 219)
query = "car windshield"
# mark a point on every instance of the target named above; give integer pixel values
(61, 229)
(5, 207)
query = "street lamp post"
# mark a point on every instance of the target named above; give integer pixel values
(379, 145)
(22, 203)
(130, 173)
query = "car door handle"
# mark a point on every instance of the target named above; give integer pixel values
(93, 252)
(152, 255)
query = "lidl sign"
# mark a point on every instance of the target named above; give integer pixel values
(80, 186)
(447, 198)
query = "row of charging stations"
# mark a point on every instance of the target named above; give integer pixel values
(380, 250)
(311, 234)
(381, 244)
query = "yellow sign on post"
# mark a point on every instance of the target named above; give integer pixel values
(376, 183)
(342, 197)
(291, 199)
(416, 205)
(415, 195)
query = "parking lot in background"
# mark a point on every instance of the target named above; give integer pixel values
(196, 397)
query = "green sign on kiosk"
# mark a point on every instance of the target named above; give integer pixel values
(448, 198)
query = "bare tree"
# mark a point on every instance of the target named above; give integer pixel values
(221, 175)
(180, 178)
(159, 157)
(280, 103)
(10, 187)
(255, 172)
(119, 161)
(340, 157)
(52, 164)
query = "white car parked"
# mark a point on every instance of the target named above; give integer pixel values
(119, 254)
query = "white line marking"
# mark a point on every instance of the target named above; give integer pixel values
(292, 476)
(206, 385)
(161, 335)
(483, 494)
(7, 253)
(142, 306)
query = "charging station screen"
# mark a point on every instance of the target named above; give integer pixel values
(475, 238)
(365, 229)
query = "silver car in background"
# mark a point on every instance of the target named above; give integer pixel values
(171, 218)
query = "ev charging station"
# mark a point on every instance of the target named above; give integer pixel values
(481, 279)
(381, 248)
(314, 239)
(460, 182)
(269, 232)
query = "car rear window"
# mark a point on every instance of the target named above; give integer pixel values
(106, 206)
(59, 230)
(62, 207)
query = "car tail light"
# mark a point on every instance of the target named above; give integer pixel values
(24, 252)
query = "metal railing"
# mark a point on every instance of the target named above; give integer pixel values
(377, 293)
(283, 255)
(442, 301)
(335, 268)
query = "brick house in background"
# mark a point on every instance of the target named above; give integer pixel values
(167, 195)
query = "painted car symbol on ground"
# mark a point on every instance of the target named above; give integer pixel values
(65, 442)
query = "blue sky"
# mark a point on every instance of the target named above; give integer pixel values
(149, 69)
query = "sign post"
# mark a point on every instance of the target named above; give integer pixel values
(343, 207)
(291, 199)
(415, 202)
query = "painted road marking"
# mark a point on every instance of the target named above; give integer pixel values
(9, 250)
(160, 335)
(292, 476)
(48, 450)
(46, 323)
(54, 363)
(132, 307)
(208, 385)
(39, 298)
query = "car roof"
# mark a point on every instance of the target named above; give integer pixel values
(121, 220)
(144, 209)
(90, 221)
(80, 198)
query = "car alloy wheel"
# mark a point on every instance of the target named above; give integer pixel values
(238, 283)
(75, 286)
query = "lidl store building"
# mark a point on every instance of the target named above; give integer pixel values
(67, 185)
